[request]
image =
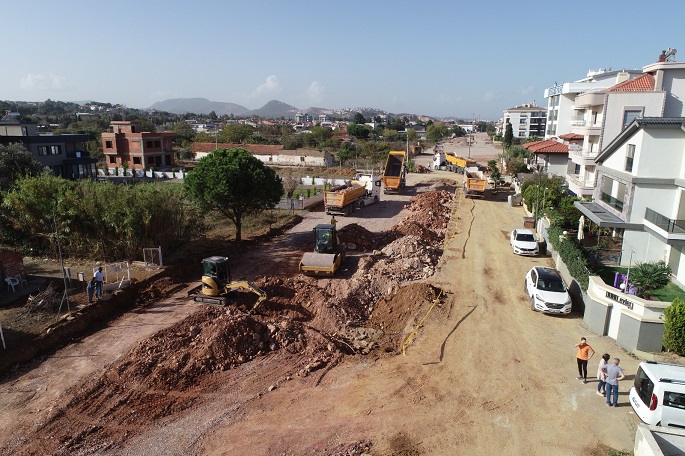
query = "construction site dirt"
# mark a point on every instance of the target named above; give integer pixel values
(423, 343)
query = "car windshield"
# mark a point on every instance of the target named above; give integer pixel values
(551, 285)
(525, 237)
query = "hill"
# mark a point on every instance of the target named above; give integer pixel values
(199, 106)
(275, 109)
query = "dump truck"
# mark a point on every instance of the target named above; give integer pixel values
(363, 190)
(328, 253)
(395, 174)
(451, 162)
(474, 182)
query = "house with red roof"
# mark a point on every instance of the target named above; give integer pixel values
(272, 154)
(551, 156)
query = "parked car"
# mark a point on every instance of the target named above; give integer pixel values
(658, 394)
(546, 291)
(524, 242)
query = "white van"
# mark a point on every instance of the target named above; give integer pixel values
(658, 394)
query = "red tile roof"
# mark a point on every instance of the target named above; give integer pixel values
(257, 149)
(570, 136)
(546, 147)
(643, 83)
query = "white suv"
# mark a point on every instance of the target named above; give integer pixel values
(524, 242)
(658, 394)
(546, 291)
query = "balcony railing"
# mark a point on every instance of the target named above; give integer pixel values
(612, 202)
(665, 223)
(580, 182)
(582, 153)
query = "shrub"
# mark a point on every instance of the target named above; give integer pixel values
(572, 255)
(674, 327)
(650, 277)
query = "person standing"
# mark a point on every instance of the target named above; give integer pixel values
(585, 353)
(614, 375)
(601, 375)
(99, 278)
(91, 289)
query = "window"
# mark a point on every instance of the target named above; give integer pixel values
(643, 386)
(158, 144)
(112, 159)
(136, 160)
(301, 159)
(576, 171)
(108, 144)
(630, 155)
(148, 144)
(42, 150)
(629, 115)
(55, 150)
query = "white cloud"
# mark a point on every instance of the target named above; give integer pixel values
(527, 90)
(35, 82)
(271, 85)
(315, 92)
(489, 96)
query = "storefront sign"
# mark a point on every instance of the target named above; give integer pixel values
(619, 299)
(555, 90)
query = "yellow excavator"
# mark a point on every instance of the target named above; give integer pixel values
(328, 253)
(217, 284)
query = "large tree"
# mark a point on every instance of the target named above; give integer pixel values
(15, 162)
(508, 136)
(234, 183)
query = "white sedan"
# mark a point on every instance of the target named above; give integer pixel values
(524, 242)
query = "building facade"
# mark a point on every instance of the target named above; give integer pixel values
(527, 121)
(65, 155)
(126, 145)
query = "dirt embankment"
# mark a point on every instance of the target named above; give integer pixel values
(309, 324)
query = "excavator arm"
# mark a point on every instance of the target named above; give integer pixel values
(245, 285)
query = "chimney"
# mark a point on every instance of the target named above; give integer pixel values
(622, 76)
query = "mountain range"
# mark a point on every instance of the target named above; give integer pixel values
(274, 109)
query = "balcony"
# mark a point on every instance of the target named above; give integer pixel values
(588, 99)
(612, 202)
(582, 157)
(580, 186)
(667, 228)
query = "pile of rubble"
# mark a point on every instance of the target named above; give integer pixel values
(430, 211)
(422, 169)
(359, 238)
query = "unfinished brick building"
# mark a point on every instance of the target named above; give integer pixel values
(126, 143)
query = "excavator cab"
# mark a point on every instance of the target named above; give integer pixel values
(217, 284)
(216, 273)
(328, 254)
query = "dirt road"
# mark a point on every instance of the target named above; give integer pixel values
(484, 375)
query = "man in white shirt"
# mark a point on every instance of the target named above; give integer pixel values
(99, 278)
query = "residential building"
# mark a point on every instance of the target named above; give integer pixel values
(640, 192)
(526, 121)
(126, 143)
(272, 154)
(561, 97)
(65, 155)
(551, 156)
(303, 118)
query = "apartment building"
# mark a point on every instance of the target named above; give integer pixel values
(561, 97)
(640, 192)
(126, 143)
(65, 155)
(526, 121)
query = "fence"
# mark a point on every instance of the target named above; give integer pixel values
(153, 257)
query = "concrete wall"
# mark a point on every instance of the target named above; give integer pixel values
(658, 441)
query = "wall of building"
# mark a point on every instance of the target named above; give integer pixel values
(651, 104)
(12, 264)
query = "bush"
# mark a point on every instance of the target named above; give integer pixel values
(572, 255)
(674, 327)
(650, 277)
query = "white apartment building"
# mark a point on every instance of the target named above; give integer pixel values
(561, 97)
(641, 192)
(526, 121)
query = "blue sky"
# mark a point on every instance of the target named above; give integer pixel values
(438, 58)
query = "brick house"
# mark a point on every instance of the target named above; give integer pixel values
(126, 143)
(11, 264)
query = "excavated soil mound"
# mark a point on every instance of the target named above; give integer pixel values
(430, 210)
(362, 239)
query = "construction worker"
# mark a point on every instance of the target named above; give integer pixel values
(333, 221)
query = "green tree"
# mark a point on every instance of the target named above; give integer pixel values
(292, 142)
(184, 133)
(358, 130)
(234, 183)
(16, 162)
(650, 277)
(674, 327)
(508, 136)
(435, 132)
(236, 133)
(412, 135)
(358, 118)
